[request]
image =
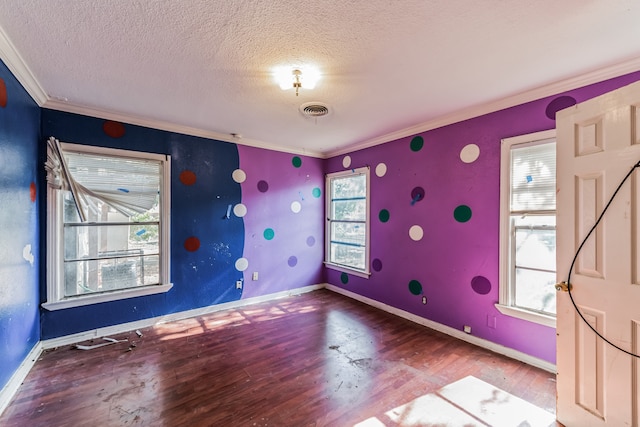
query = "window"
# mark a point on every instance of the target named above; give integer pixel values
(347, 242)
(528, 227)
(108, 224)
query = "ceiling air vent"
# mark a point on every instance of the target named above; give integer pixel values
(314, 109)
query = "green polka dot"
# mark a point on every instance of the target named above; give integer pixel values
(297, 161)
(415, 287)
(462, 213)
(384, 215)
(416, 143)
(269, 233)
(316, 192)
(344, 278)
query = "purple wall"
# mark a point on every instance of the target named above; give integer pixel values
(455, 204)
(19, 233)
(283, 196)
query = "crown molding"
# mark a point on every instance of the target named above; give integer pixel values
(500, 104)
(69, 107)
(20, 70)
(23, 74)
(18, 67)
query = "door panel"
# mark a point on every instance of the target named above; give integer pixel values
(635, 229)
(590, 362)
(635, 120)
(635, 372)
(597, 143)
(588, 205)
(589, 137)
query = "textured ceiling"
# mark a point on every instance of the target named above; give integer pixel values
(386, 65)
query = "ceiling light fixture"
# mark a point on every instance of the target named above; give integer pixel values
(296, 78)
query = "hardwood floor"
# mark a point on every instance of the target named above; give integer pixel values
(319, 359)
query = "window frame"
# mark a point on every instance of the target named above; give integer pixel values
(56, 299)
(366, 272)
(506, 304)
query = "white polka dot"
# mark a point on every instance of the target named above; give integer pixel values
(239, 176)
(416, 233)
(469, 153)
(346, 161)
(381, 170)
(240, 210)
(242, 264)
(295, 207)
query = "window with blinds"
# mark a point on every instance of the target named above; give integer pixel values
(533, 177)
(348, 220)
(108, 218)
(528, 224)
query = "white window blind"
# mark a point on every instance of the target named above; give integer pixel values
(128, 185)
(533, 177)
(347, 238)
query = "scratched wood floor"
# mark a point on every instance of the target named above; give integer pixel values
(319, 359)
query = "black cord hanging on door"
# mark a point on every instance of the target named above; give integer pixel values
(568, 282)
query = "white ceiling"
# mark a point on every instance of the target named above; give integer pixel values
(388, 67)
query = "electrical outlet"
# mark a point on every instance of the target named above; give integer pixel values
(255, 276)
(238, 284)
(467, 329)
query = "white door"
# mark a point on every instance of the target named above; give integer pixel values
(598, 143)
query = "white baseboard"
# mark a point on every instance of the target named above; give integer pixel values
(145, 323)
(496, 348)
(10, 389)
(18, 377)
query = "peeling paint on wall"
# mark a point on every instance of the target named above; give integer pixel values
(27, 255)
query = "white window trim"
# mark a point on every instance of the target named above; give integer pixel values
(55, 244)
(505, 251)
(366, 273)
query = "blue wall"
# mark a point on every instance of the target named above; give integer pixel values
(200, 277)
(202, 189)
(19, 232)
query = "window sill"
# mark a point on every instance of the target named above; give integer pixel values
(106, 297)
(363, 274)
(530, 316)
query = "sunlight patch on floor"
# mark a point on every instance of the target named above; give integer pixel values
(431, 410)
(468, 402)
(185, 328)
